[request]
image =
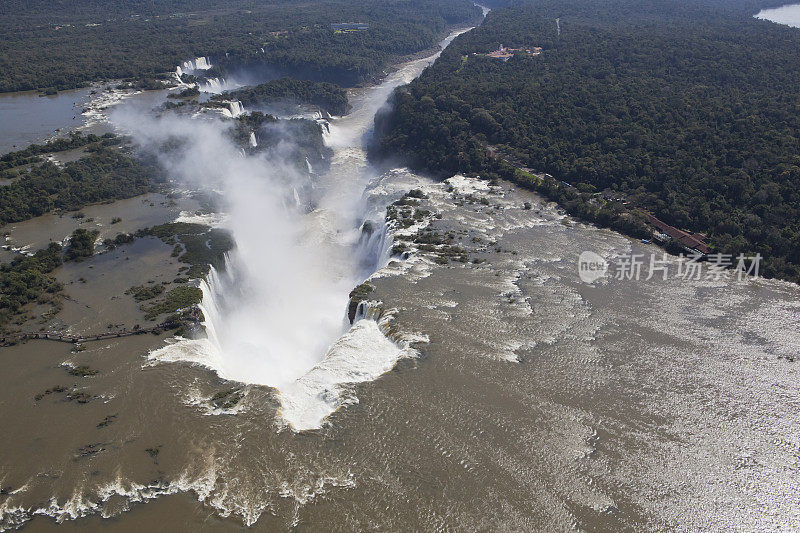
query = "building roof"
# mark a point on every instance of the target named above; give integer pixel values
(498, 54)
(684, 238)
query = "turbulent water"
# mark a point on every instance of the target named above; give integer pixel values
(500, 393)
(274, 315)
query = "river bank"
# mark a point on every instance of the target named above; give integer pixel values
(531, 384)
(41, 385)
(505, 393)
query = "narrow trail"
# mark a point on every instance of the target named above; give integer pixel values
(75, 339)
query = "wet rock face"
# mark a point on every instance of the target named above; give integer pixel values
(357, 295)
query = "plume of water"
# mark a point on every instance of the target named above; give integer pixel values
(280, 302)
(276, 315)
(199, 63)
(236, 108)
(212, 85)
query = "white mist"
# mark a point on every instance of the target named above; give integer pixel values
(276, 315)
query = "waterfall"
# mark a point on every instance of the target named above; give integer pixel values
(253, 142)
(369, 310)
(232, 110)
(308, 164)
(326, 131)
(236, 108)
(267, 327)
(213, 85)
(209, 306)
(190, 66)
(374, 246)
(275, 315)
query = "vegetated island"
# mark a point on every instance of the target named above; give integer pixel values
(327, 96)
(28, 280)
(108, 170)
(634, 113)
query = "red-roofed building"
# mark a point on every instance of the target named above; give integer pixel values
(688, 240)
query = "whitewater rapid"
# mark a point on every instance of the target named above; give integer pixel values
(276, 315)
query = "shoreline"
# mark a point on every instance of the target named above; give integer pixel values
(104, 93)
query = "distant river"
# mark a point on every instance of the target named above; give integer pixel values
(28, 117)
(789, 15)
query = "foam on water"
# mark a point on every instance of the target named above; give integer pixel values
(362, 354)
(96, 111)
(274, 315)
(215, 220)
(467, 185)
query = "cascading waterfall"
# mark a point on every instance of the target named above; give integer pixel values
(256, 332)
(279, 303)
(274, 314)
(253, 142)
(374, 246)
(236, 108)
(191, 66)
(213, 85)
(326, 131)
(233, 110)
(202, 63)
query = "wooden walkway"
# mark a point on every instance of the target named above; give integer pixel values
(76, 339)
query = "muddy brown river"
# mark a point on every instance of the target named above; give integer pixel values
(522, 399)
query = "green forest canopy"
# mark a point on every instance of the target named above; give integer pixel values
(106, 172)
(327, 96)
(64, 44)
(687, 109)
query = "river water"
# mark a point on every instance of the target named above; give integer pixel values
(519, 397)
(788, 15)
(28, 117)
